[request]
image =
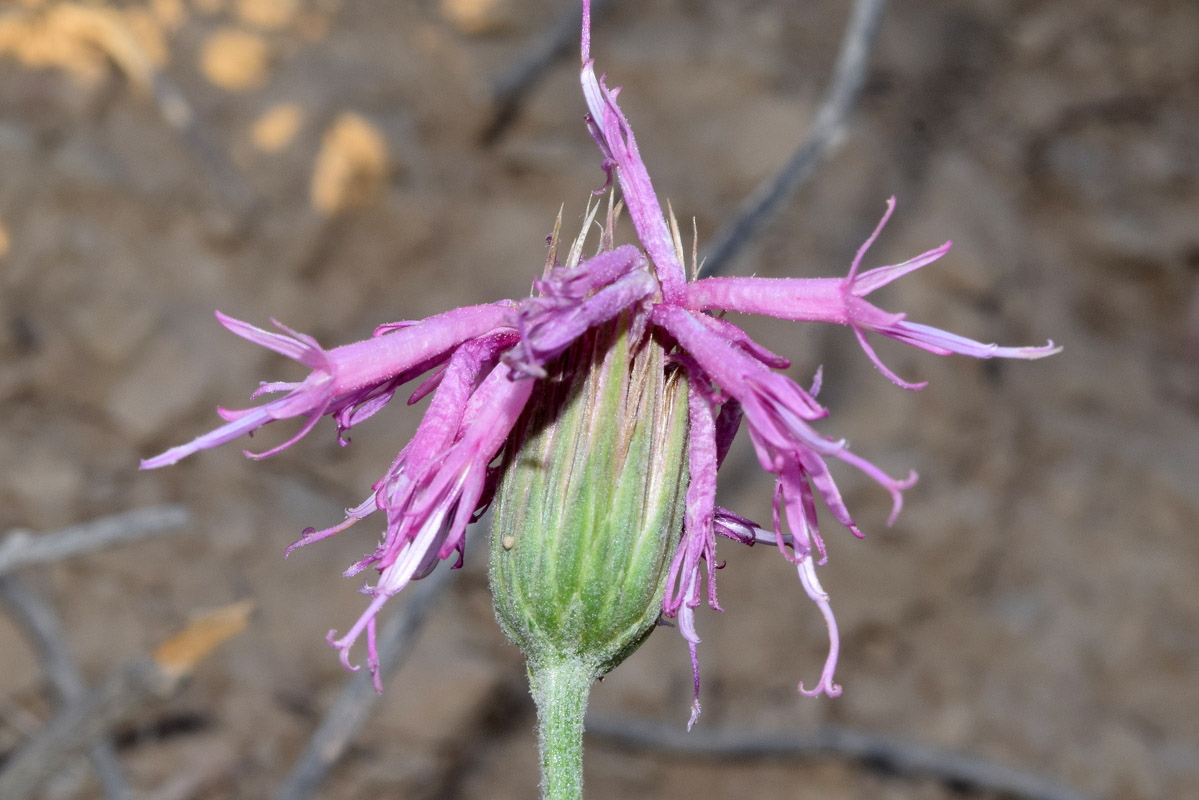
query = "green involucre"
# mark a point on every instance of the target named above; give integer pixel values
(591, 504)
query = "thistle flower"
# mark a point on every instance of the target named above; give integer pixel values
(488, 365)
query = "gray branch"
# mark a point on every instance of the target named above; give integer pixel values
(358, 698)
(22, 548)
(826, 134)
(231, 188)
(87, 719)
(82, 723)
(509, 90)
(40, 624)
(899, 755)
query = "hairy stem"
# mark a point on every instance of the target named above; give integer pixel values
(560, 689)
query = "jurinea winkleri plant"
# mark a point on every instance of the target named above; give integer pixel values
(595, 414)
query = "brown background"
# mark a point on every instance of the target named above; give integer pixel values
(1036, 602)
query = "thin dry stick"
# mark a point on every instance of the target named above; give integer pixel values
(772, 195)
(897, 755)
(509, 90)
(81, 723)
(22, 548)
(232, 189)
(358, 697)
(40, 624)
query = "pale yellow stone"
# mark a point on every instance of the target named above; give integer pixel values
(26, 42)
(351, 167)
(234, 59)
(478, 16)
(42, 48)
(277, 128)
(5, 241)
(110, 31)
(267, 14)
(78, 38)
(145, 28)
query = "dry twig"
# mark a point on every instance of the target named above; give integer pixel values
(358, 697)
(896, 755)
(826, 134)
(81, 723)
(509, 90)
(21, 548)
(236, 195)
(39, 622)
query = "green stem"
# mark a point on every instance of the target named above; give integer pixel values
(560, 691)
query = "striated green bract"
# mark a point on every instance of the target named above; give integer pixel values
(591, 505)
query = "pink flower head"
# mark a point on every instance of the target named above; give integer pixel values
(485, 363)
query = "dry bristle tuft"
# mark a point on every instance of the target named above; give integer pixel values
(576, 249)
(674, 233)
(551, 257)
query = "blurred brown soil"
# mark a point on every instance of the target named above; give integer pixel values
(1036, 602)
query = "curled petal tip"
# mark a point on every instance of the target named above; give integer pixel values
(305, 538)
(911, 386)
(695, 711)
(897, 490)
(1049, 349)
(824, 687)
(343, 648)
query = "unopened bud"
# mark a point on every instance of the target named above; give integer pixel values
(591, 505)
